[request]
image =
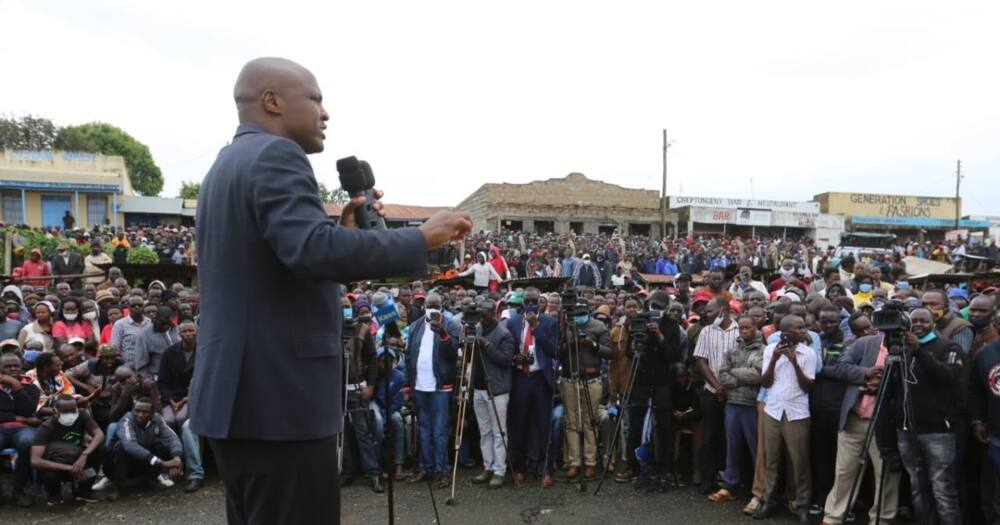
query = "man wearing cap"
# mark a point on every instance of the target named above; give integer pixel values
(946, 323)
(91, 262)
(67, 262)
(717, 337)
(390, 349)
(586, 274)
(35, 270)
(361, 378)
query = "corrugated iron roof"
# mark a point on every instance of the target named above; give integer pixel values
(397, 212)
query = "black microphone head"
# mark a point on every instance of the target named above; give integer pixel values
(369, 175)
(352, 175)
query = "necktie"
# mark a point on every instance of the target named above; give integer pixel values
(529, 339)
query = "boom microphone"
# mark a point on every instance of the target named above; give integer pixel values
(357, 179)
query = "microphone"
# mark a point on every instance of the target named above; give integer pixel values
(384, 308)
(357, 179)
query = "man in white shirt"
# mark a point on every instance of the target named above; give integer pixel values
(789, 371)
(745, 284)
(482, 273)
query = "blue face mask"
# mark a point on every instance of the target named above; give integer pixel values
(903, 285)
(531, 309)
(864, 287)
(927, 338)
(582, 319)
(348, 313)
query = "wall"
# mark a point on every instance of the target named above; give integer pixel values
(894, 206)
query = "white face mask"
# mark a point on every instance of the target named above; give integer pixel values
(787, 272)
(90, 316)
(67, 420)
(69, 317)
(718, 320)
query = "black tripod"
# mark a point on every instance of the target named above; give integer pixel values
(625, 404)
(897, 368)
(582, 395)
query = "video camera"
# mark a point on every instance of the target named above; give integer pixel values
(637, 330)
(893, 319)
(470, 318)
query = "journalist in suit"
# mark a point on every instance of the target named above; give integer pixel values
(267, 395)
(532, 385)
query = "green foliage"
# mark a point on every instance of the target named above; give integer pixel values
(27, 132)
(189, 190)
(337, 196)
(142, 255)
(109, 140)
(36, 239)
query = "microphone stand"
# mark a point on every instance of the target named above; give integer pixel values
(387, 369)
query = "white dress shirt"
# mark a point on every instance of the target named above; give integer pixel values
(785, 397)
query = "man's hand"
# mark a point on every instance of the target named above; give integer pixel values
(78, 466)
(181, 403)
(532, 320)
(720, 394)
(482, 342)
(445, 226)
(172, 463)
(654, 328)
(368, 392)
(438, 327)
(979, 432)
(912, 341)
(347, 219)
(11, 382)
(872, 372)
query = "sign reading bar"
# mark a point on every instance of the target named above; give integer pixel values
(677, 201)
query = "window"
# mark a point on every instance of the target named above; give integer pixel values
(545, 226)
(97, 210)
(576, 227)
(13, 208)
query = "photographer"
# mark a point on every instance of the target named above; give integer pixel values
(935, 365)
(491, 392)
(789, 371)
(362, 374)
(657, 347)
(536, 337)
(586, 342)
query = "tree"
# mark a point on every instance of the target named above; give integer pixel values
(106, 139)
(337, 196)
(189, 190)
(27, 132)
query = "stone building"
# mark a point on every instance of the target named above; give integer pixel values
(560, 205)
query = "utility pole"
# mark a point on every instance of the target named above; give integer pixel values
(958, 198)
(663, 194)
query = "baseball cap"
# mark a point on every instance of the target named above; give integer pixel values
(75, 340)
(107, 351)
(702, 296)
(958, 292)
(10, 342)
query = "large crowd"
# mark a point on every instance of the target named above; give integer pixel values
(750, 371)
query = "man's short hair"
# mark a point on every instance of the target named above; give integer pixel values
(144, 399)
(721, 302)
(44, 360)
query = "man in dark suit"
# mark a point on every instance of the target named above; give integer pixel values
(268, 395)
(533, 381)
(67, 262)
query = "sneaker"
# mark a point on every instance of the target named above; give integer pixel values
(625, 476)
(86, 496)
(752, 506)
(484, 477)
(815, 510)
(164, 480)
(101, 484)
(496, 481)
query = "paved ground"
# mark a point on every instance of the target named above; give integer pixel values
(560, 504)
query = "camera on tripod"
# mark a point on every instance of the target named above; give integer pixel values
(893, 319)
(470, 318)
(637, 325)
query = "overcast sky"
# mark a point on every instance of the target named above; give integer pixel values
(441, 97)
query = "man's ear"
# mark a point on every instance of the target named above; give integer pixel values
(271, 102)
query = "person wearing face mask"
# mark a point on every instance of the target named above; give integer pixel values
(431, 368)
(67, 262)
(125, 331)
(865, 290)
(153, 340)
(981, 313)
(71, 324)
(95, 275)
(90, 313)
(491, 377)
(361, 377)
(11, 324)
(536, 336)
(619, 371)
(60, 454)
(390, 349)
(580, 380)
(788, 273)
(946, 323)
(927, 427)
(657, 350)
(716, 339)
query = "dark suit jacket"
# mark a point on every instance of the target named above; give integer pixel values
(546, 343)
(856, 359)
(175, 373)
(73, 267)
(269, 346)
